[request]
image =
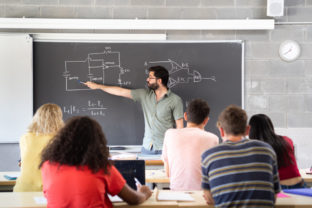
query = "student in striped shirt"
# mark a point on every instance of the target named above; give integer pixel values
(239, 172)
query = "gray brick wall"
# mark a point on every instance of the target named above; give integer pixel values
(281, 90)
(268, 78)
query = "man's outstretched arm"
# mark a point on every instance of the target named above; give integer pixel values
(114, 90)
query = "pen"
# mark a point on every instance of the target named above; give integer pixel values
(80, 82)
(137, 182)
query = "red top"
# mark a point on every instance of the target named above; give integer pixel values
(291, 171)
(66, 186)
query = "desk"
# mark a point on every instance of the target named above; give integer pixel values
(154, 162)
(149, 159)
(5, 184)
(26, 200)
(156, 176)
(306, 177)
(151, 176)
(20, 199)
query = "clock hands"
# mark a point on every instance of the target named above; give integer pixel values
(288, 51)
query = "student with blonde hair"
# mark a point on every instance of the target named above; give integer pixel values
(45, 123)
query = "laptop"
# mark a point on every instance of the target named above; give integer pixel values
(131, 169)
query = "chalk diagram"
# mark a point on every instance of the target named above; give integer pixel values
(103, 68)
(94, 108)
(180, 74)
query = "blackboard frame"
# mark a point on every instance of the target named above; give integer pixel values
(137, 108)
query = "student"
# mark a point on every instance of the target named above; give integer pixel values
(76, 171)
(162, 108)
(239, 172)
(45, 123)
(183, 148)
(262, 129)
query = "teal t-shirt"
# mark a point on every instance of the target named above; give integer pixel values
(158, 116)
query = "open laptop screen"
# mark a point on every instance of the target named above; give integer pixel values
(130, 169)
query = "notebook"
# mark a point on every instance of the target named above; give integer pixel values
(131, 169)
(299, 191)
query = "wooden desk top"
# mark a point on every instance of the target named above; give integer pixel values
(26, 200)
(294, 201)
(306, 177)
(6, 182)
(151, 176)
(149, 159)
(154, 162)
(156, 176)
(20, 200)
(159, 176)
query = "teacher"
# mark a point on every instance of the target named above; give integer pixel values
(162, 108)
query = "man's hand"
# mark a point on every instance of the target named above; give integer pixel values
(208, 197)
(144, 190)
(92, 85)
(114, 90)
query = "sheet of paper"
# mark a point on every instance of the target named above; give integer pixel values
(115, 198)
(174, 196)
(40, 200)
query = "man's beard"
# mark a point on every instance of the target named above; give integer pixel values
(154, 86)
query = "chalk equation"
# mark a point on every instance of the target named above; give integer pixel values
(95, 108)
(180, 74)
(103, 67)
(106, 68)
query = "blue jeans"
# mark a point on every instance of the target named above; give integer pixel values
(150, 152)
(301, 184)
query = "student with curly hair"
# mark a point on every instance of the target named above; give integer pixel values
(262, 129)
(76, 171)
(45, 123)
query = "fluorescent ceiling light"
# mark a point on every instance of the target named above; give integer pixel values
(136, 24)
(90, 37)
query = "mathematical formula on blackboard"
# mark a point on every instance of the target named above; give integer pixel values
(106, 65)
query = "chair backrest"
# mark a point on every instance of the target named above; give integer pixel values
(130, 169)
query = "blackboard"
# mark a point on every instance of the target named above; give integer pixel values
(209, 70)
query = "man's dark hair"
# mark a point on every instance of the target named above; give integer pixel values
(233, 120)
(197, 111)
(160, 72)
(81, 142)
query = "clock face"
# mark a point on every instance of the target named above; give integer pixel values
(289, 50)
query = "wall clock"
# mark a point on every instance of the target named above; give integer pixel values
(289, 50)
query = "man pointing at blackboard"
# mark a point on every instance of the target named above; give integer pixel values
(162, 108)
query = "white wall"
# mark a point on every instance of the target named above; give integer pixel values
(302, 138)
(16, 87)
